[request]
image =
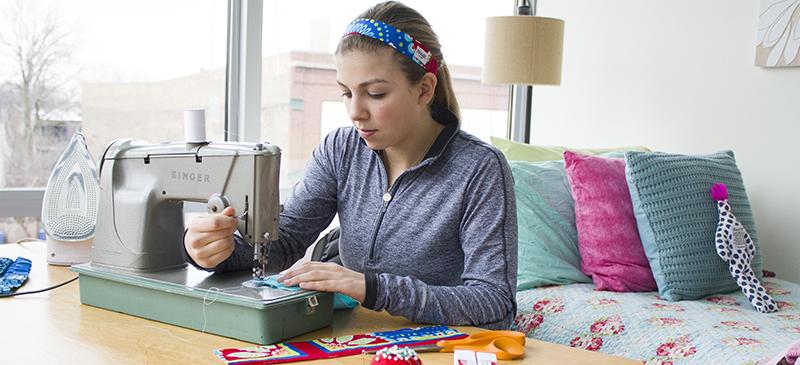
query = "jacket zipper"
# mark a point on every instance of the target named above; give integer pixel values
(387, 197)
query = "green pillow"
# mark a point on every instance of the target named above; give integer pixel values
(677, 219)
(531, 153)
(548, 239)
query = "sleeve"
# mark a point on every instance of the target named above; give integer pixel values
(308, 211)
(488, 236)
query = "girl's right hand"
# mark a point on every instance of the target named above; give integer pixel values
(209, 239)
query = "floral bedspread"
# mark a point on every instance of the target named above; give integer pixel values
(719, 329)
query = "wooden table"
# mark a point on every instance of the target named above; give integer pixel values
(54, 328)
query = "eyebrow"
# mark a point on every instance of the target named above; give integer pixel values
(366, 83)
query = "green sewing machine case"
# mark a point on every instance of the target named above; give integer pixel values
(213, 303)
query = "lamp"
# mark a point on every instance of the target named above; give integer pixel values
(523, 50)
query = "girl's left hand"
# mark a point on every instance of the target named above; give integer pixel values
(326, 276)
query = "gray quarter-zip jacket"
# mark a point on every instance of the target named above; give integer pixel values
(439, 247)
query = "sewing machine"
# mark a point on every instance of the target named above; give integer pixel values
(139, 265)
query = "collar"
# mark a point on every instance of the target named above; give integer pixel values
(451, 127)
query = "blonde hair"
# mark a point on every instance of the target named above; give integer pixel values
(414, 24)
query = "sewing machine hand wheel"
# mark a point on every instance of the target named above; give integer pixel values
(217, 203)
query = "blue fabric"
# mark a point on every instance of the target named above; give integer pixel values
(15, 275)
(677, 219)
(341, 301)
(395, 38)
(5, 262)
(646, 234)
(272, 282)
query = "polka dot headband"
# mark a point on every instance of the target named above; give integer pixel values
(395, 38)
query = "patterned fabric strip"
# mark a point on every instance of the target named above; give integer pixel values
(326, 348)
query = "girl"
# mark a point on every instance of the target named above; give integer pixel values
(427, 211)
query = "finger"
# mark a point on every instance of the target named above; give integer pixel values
(202, 239)
(303, 268)
(213, 222)
(214, 248)
(298, 263)
(334, 286)
(292, 271)
(316, 265)
(209, 224)
(216, 259)
(352, 288)
(307, 276)
(229, 211)
(197, 240)
(323, 273)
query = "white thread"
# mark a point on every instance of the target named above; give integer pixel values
(169, 333)
(207, 303)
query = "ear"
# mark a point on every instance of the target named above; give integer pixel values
(427, 88)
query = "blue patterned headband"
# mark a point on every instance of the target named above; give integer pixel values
(395, 38)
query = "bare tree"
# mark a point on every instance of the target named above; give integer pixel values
(35, 48)
(33, 53)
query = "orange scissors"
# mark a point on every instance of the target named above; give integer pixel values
(507, 345)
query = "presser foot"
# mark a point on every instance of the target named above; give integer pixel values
(259, 263)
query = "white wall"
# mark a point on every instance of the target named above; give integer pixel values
(678, 76)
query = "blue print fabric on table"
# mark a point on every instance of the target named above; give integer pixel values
(340, 301)
(13, 274)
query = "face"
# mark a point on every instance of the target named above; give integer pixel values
(381, 102)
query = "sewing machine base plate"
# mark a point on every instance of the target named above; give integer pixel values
(214, 303)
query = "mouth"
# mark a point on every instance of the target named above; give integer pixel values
(366, 133)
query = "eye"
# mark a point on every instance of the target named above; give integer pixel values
(376, 95)
(346, 94)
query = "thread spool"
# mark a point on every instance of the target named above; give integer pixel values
(194, 125)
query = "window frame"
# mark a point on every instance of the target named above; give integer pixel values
(243, 71)
(21, 202)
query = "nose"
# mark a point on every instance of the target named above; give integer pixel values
(357, 109)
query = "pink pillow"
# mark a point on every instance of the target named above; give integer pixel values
(608, 241)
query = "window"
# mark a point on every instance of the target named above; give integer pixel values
(301, 102)
(108, 69)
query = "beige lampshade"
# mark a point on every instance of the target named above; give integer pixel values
(523, 50)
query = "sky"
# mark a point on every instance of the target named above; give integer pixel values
(149, 40)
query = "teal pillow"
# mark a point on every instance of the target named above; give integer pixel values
(677, 219)
(548, 239)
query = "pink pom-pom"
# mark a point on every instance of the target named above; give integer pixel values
(719, 192)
